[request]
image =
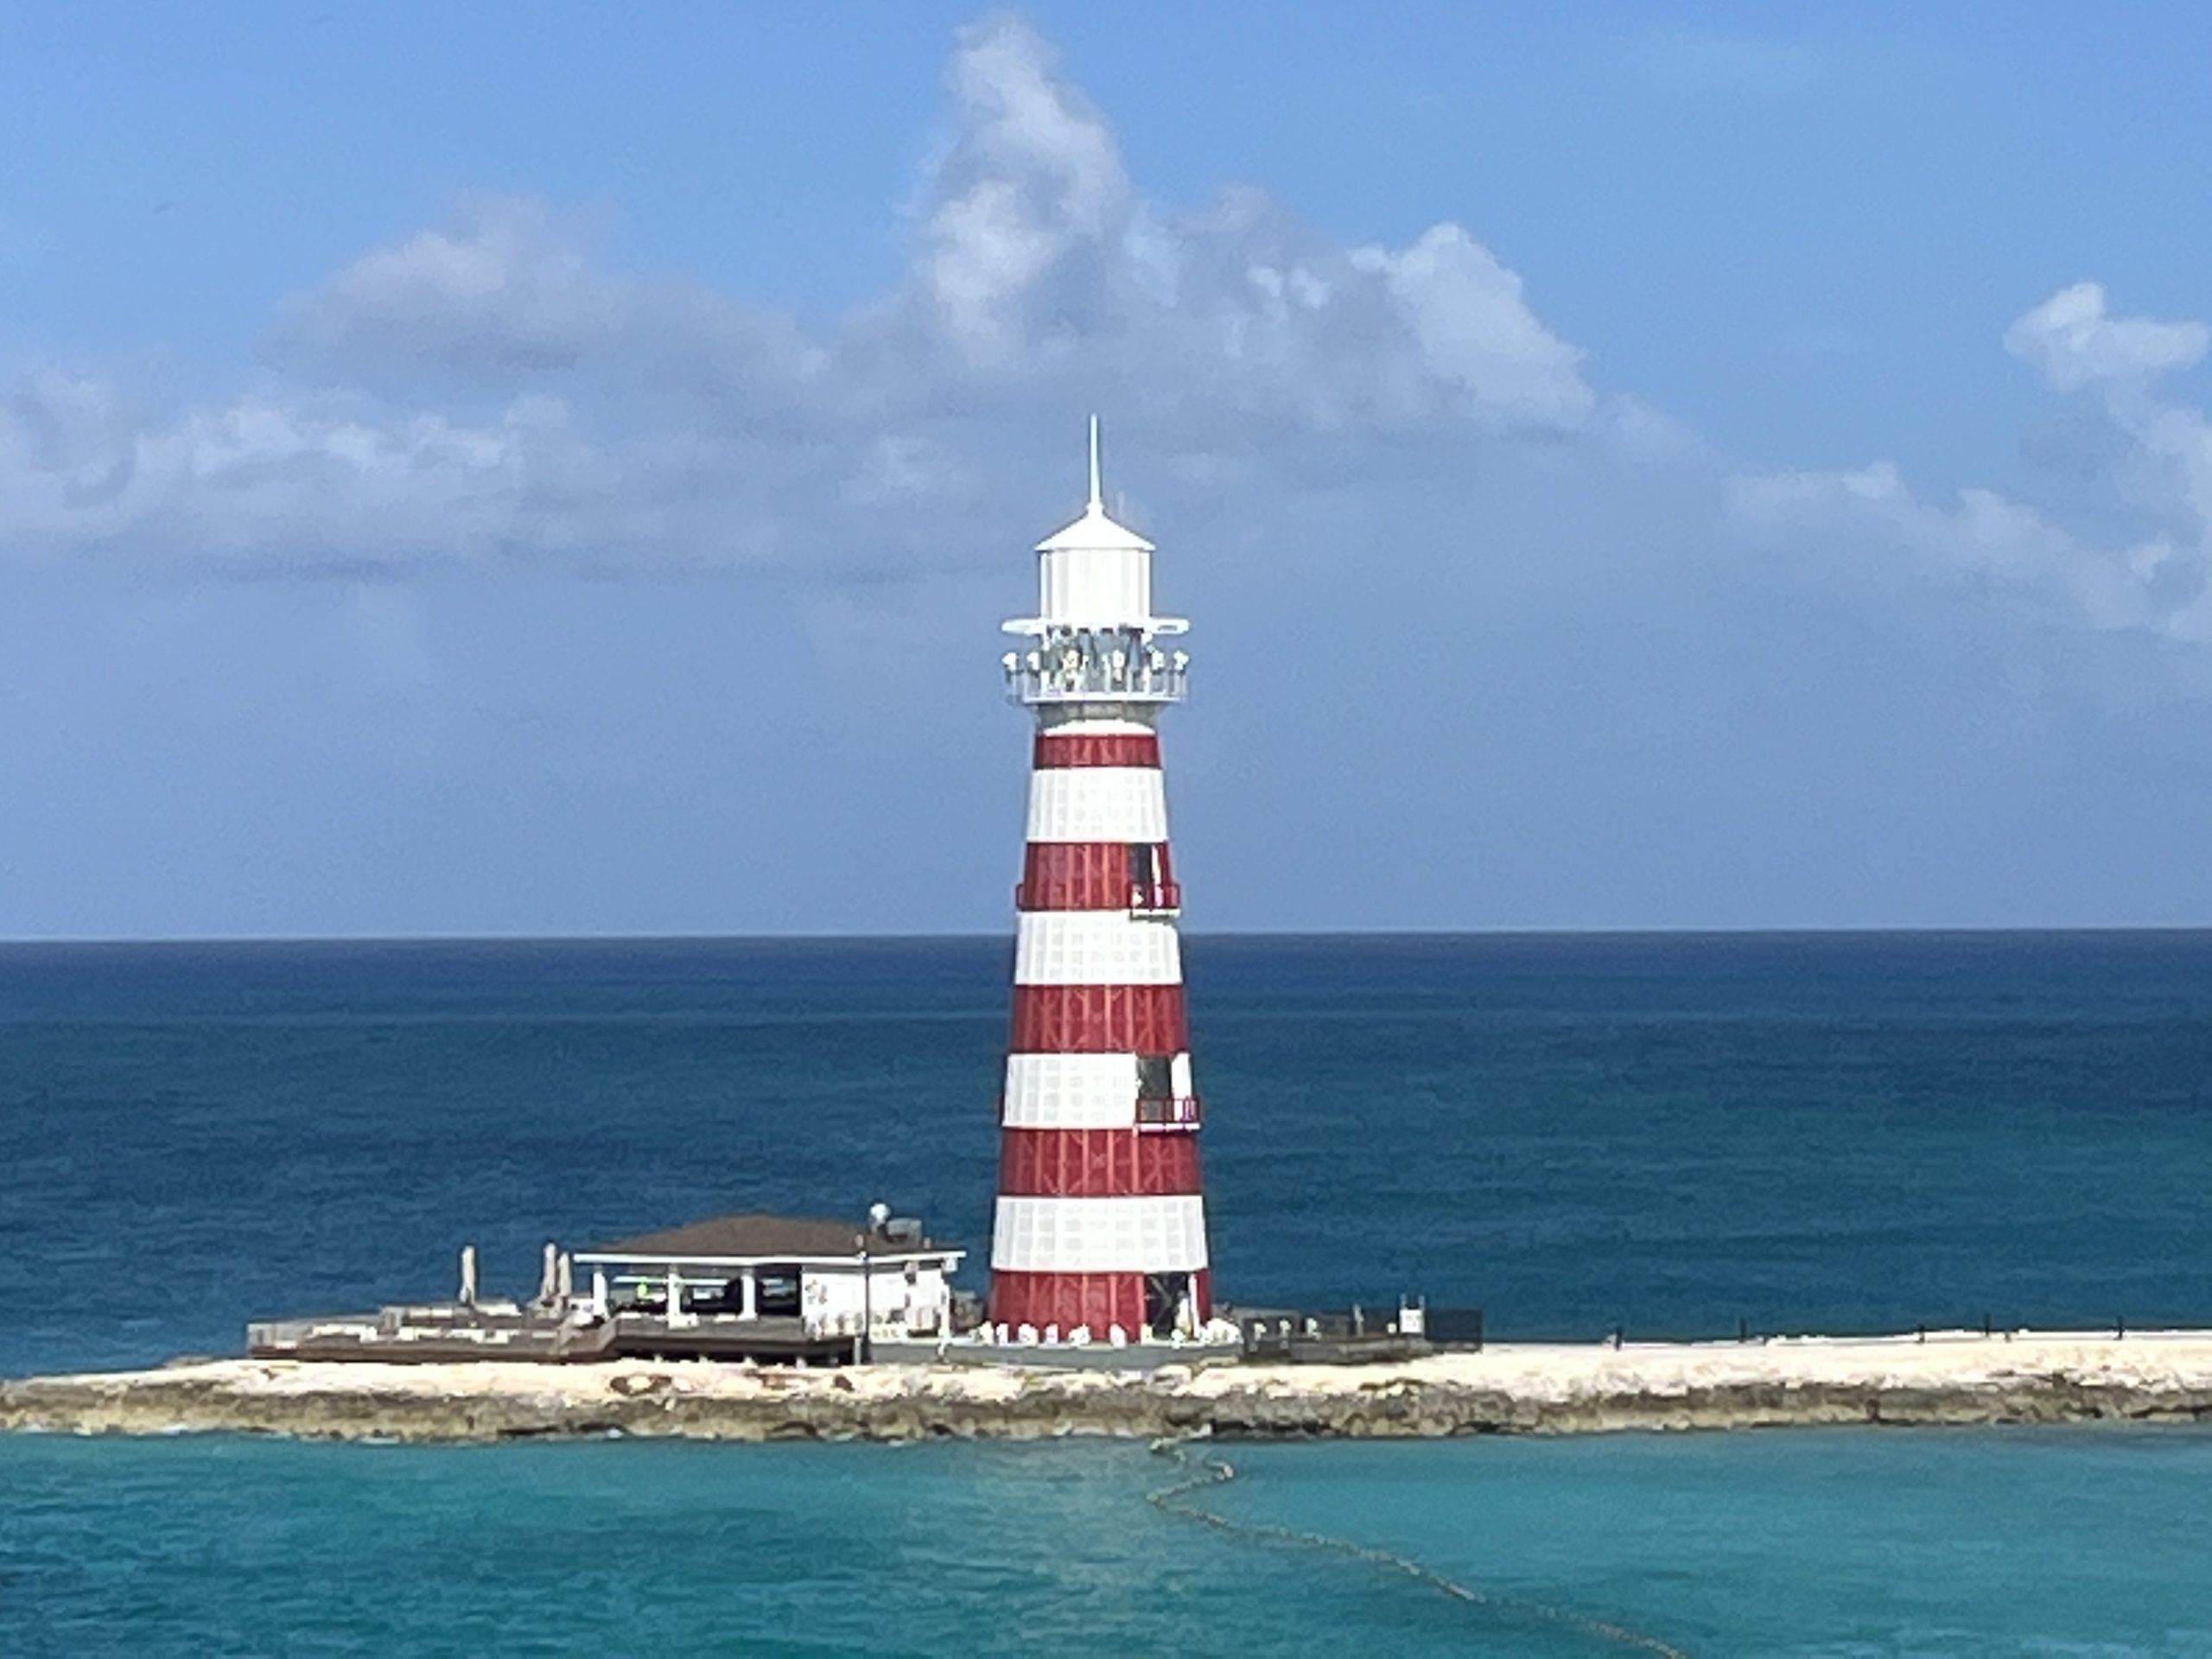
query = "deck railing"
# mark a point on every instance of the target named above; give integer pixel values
(1155, 898)
(1168, 1112)
(1097, 679)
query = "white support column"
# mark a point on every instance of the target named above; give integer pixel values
(676, 1314)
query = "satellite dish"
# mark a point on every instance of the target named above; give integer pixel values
(877, 1215)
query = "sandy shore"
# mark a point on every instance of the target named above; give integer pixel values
(1951, 1377)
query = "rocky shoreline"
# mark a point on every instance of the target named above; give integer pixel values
(1946, 1378)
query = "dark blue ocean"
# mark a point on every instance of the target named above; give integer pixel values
(1669, 1134)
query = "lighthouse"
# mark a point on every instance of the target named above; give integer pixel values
(1100, 1223)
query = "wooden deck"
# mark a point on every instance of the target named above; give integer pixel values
(443, 1333)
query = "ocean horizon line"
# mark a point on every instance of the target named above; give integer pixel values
(1886, 931)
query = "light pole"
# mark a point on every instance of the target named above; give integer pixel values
(867, 1305)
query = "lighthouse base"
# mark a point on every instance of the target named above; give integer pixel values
(1135, 1302)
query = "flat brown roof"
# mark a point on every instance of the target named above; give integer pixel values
(754, 1234)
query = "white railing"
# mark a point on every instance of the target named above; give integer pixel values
(1070, 677)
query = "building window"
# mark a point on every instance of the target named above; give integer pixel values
(779, 1294)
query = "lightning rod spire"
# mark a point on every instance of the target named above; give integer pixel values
(1097, 504)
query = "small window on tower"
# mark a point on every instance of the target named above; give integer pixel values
(1144, 864)
(1156, 1077)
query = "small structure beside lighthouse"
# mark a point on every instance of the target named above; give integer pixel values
(1100, 1224)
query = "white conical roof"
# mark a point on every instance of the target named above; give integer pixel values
(1095, 531)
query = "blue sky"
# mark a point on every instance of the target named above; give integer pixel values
(555, 470)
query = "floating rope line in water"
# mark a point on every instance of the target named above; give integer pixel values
(1174, 1499)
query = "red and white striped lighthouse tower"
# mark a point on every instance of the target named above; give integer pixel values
(1100, 1222)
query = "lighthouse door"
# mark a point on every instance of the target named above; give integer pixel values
(1163, 1299)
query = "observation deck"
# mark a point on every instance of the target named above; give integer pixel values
(1117, 665)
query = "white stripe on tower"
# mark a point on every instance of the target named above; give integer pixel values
(1100, 1234)
(1078, 1091)
(1092, 724)
(1127, 803)
(1095, 947)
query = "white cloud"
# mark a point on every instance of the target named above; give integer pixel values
(2157, 582)
(2073, 343)
(505, 283)
(2166, 466)
(493, 386)
(1031, 176)
(1978, 538)
(496, 387)
(1466, 311)
(508, 293)
(275, 480)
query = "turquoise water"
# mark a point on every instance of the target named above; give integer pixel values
(1814, 1543)
(1671, 1134)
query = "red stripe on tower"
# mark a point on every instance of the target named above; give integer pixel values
(1098, 1020)
(1096, 1163)
(1126, 875)
(1063, 748)
(1100, 1222)
(1096, 1302)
